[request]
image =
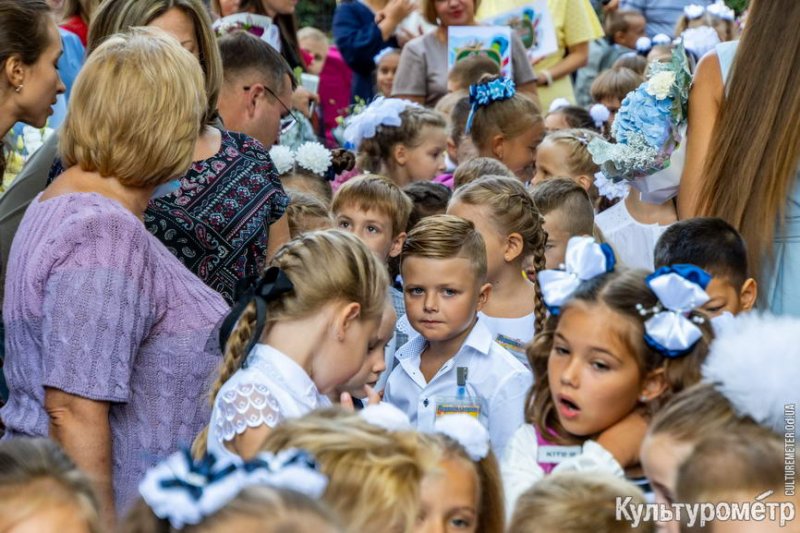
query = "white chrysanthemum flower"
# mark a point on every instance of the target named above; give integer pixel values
(282, 158)
(661, 84)
(33, 138)
(314, 157)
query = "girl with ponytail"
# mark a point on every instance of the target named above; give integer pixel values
(512, 228)
(300, 331)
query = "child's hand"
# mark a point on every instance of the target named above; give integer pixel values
(373, 398)
(624, 439)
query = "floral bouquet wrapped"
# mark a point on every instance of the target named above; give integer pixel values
(259, 25)
(649, 125)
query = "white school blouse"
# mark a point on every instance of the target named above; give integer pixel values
(513, 334)
(520, 468)
(269, 388)
(495, 378)
(634, 243)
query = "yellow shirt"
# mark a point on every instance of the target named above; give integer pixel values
(575, 22)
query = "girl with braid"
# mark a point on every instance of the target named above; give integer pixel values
(512, 228)
(296, 335)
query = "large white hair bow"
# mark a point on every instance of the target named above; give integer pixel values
(386, 416)
(694, 11)
(680, 289)
(184, 491)
(722, 11)
(467, 431)
(381, 112)
(585, 260)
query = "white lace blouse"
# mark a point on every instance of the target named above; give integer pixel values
(269, 388)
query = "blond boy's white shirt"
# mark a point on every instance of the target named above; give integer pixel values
(495, 377)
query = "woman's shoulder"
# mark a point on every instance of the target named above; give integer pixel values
(88, 216)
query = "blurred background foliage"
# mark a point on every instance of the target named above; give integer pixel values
(316, 13)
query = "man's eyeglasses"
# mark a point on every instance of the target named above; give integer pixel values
(289, 120)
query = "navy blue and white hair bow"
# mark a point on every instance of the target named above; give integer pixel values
(585, 260)
(680, 289)
(483, 94)
(184, 491)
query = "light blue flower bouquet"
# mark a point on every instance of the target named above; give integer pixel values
(648, 125)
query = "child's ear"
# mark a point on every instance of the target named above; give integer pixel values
(514, 246)
(452, 150)
(483, 296)
(345, 317)
(397, 244)
(748, 295)
(498, 146)
(585, 182)
(400, 153)
(654, 385)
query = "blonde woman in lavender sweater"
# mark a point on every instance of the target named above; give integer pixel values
(109, 347)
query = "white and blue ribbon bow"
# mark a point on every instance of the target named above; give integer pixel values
(381, 112)
(383, 53)
(483, 94)
(184, 491)
(585, 260)
(720, 10)
(680, 289)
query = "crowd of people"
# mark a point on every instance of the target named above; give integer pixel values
(260, 278)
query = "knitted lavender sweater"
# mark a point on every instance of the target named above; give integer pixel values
(97, 307)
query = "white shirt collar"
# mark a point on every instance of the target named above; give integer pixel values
(295, 380)
(479, 339)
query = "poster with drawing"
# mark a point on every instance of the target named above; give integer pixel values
(533, 25)
(493, 42)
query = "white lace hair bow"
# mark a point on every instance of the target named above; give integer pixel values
(585, 260)
(381, 112)
(184, 491)
(680, 289)
(467, 431)
(694, 11)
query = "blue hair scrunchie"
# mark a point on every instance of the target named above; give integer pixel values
(483, 94)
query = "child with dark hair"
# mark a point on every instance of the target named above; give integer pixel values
(428, 198)
(716, 247)
(569, 117)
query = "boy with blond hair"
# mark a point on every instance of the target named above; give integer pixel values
(451, 352)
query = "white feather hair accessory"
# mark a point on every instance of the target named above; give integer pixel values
(756, 366)
(557, 104)
(644, 44)
(386, 416)
(467, 431)
(283, 158)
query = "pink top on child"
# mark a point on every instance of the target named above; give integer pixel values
(335, 82)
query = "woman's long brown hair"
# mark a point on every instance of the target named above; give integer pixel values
(753, 157)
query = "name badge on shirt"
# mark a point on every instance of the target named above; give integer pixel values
(512, 345)
(557, 454)
(455, 406)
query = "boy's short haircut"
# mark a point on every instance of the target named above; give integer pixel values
(710, 243)
(375, 192)
(429, 199)
(458, 120)
(615, 83)
(577, 502)
(617, 21)
(447, 237)
(478, 168)
(446, 104)
(565, 195)
(633, 61)
(470, 70)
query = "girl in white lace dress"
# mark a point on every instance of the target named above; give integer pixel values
(299, 333)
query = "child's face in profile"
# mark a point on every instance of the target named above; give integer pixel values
(555, 251)
(387, 68)
(551, 160)
(442, 297)
(723, 297)
(319, 52)
(376, 361)
(519, 153)
(426, 160)
(449, 499)
(373, 227)
(594, 378)
(636, 30)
